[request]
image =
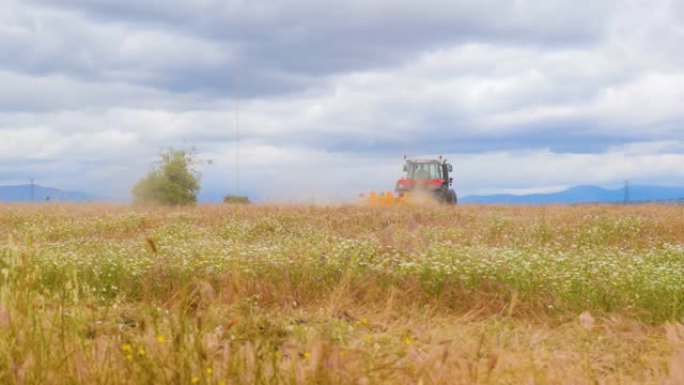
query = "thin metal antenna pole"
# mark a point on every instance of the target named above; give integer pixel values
(237, 121)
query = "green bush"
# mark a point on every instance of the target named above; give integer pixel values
(236, 199)
(173, 181)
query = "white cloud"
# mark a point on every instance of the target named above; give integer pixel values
(489, 172)
(523, 95)
(45, 93)
(47, 41)
(651, 101)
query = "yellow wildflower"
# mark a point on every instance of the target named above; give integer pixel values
(161, 339)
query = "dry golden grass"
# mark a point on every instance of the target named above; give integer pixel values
(107, 294)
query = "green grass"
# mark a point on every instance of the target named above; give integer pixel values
(304, 294)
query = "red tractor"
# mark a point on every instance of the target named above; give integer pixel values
(429, 178)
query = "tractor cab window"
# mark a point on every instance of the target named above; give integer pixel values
(424, 171)
(435, 171)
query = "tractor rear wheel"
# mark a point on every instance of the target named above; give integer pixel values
(452, 198)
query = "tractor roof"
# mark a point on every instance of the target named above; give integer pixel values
(423, 161)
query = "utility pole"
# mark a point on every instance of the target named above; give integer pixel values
(32, 190)
(626, 192)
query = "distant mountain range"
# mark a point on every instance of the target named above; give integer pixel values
(579, 194)
(585, 194)
(22, 193)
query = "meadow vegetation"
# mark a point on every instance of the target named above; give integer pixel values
(258, 294)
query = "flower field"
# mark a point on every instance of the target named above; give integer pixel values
(107, 294)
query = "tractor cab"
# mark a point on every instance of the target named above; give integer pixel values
(427, 175)
(422, 171)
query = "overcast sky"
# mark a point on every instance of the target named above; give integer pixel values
(519, 95)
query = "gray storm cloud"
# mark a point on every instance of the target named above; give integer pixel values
(522, 95)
